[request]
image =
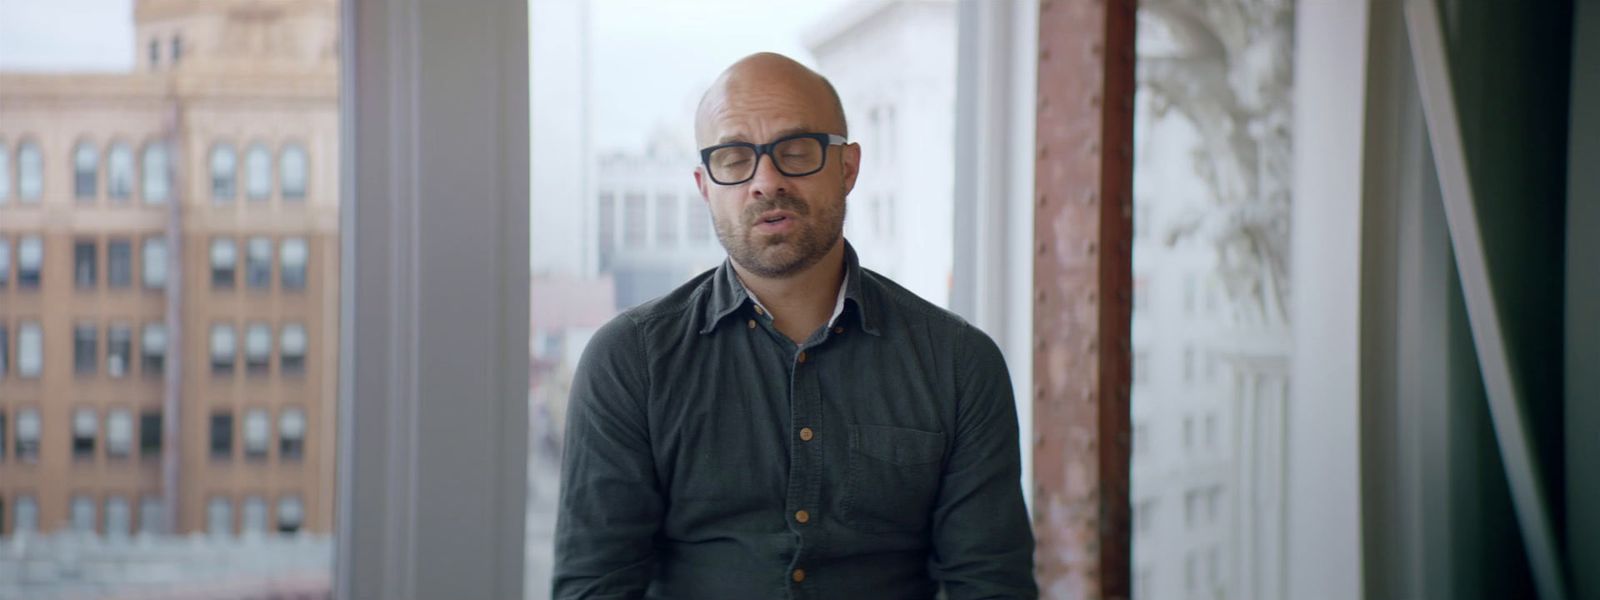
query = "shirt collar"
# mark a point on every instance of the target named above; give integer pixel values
(728, 294)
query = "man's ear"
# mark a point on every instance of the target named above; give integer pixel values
(851, 155)
(700, 182)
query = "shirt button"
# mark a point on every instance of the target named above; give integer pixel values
(752, 323)
(801, 358)
(806, 434)
(799, 575)
(838, 330)
(802, 517)
(759, 311)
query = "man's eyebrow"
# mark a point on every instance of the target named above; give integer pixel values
(734, 137)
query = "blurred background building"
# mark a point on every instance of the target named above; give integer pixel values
(169, 282)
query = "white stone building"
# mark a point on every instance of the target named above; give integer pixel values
(894, 65)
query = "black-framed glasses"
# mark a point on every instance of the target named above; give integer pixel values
(795, 156)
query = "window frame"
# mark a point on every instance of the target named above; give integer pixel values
(122, 169)
(231, 178)
(152, 149)
(224, 278)
(252, 177)
(28, 148)
(460, 165)
(294, 193)
(85, 185)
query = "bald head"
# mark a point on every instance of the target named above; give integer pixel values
(766, 82)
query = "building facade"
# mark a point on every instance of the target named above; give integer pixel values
(894, 65)
(169, 279)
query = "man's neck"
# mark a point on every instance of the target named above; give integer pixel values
(802, 302)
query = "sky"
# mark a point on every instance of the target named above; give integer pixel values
(651, 58)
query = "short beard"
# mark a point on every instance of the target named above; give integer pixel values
(786, 254)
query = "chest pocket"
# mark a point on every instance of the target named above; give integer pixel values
(892, 478)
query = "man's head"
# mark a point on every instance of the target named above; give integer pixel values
(775, 225)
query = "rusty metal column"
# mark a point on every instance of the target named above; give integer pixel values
(1082, 276)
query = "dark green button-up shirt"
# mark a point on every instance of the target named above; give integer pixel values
(708, 456)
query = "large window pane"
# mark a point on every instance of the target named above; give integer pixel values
(1212, 123)
(164, 127)
(617, 219)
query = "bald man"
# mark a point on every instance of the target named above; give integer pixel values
(789, 424)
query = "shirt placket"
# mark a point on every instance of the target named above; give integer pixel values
(804, 497)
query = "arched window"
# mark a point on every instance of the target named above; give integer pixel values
(30, 172)
(119, 171)
(292, 167)
(157, 185)
(5, 174)
(85, 171)
(257, 172)
(224, 172)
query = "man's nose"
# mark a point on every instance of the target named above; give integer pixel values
(768, 182)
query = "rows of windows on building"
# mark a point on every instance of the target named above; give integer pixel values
(127, 440)
(84, 520)
(679, 220)
(263, 172)
(263, 254)
(287, 342)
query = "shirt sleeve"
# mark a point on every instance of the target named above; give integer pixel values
(611, 504)
(982, 540)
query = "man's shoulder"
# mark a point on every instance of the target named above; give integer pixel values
(683, 302)
(896, 301)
